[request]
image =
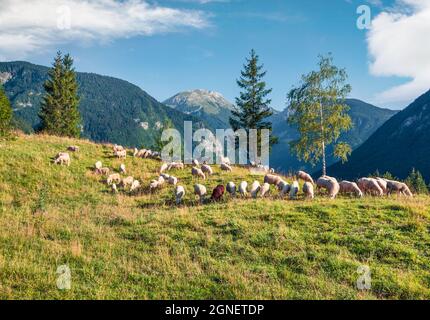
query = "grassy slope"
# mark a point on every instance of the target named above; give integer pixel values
(143, 247)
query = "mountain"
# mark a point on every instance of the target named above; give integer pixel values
(365, 117)
(399, 145)
(208, 106)
(113, 110)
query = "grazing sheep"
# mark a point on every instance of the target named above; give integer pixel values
(122, 168)
(179, 194)
(330, 184)
(198, 173)
(73, 148)
(370, 186)
(135, 152)
(165, 176)
(231, 188)
(281, 185)
(225, 160)
(154, 185)
(113, 178)
(103, 171)
(383, 184)
(243, 188)
(98, 165)
(294, 190)
(218, 193)
(161, 180)
(164, 167)
(347, 187)
(286, 188)
(175, 165)
(118, 148)
(226, 167)
(127, 182)
(135, 186)
(305, 177)
(265, 189)
(200, 191)
(255, 188)
(272, 179)
(308, 190)
(172, 180)
(207, 169)
(121, 154)
(196, 163)
(399, 188)
(143, 153)
(114, 188)
(62, 159)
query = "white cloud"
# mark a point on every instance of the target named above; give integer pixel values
(28, 26)
(399, 45)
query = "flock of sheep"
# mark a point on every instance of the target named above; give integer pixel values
(364, 186)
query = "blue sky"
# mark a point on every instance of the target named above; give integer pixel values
(209, 51)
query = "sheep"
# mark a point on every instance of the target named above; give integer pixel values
(308, 190)
(154, 185)
(231, 188)
(243, 188)
(135, 186)
(103, 171)
(73, 148)
(286, 188)
(113, 178)
(370, 186)
(207, 169)
(255, 188)
(198, 173)
(135, 152)
(172, 180)
(175, 165)
(196, 163)
(143, 153)
(218, 193)
(226, 167)
(98, 165)
(225, 160)
(294, 190)
(272, 179)
(200, 191)
(305, 177)
(127, 182)
(179, 194)
(161, 180)
(165, 176)
(122, 168)
(114, 188)
(265, 189)
(62, 158)
(121, 154)
(272, 171)
(347, 187)
(118, 148)
(398, 187)
(383, 184)
(164, 167)
(330, 184)
(282, 184)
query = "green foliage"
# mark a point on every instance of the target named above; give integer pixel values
(252, 106)
(5, 113)
(60, 106)
(317, 108)
(416, 182)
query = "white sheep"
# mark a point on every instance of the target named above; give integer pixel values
(103, 171)
(135, 152)
(73, 148)
(370, 186)
(172, 180)
(330, 184)
(294, 190)
(207, 169)
(121, 154)
(122, 168)
(114, 188)
(272, 179)
(348, 187)
(231, 188)
(226, 167)
(305, 177)
(62, 159)
(200, 191)
(179, 194)
(175, 165)
(225, 160)
(265, 189)
(198, 173)
(243, 188)
(308, 190)
(126, 182)
(113, 178)
(398, 187)
(135, 186)
(98, 165)
(196, 163)
(163, 167)
(255, 188)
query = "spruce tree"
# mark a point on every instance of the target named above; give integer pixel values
(416, 182)
(252, 106)
(59, 113)
(5, 113)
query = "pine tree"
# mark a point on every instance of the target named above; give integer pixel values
(252, 106)
(5, 113)
(317, 108)
(416, 182)
(60, 106)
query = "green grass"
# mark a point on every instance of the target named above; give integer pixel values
(143, 247)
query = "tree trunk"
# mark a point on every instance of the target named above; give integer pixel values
(324, 168)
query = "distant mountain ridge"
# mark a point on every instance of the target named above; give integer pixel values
(113, 110)
(210, 106)
(400, 144)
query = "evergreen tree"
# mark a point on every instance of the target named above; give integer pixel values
(416, 182)
(252, 106)
(60, 106)
(5, 113)
(317, 108)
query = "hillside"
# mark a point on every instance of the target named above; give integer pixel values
(113, 110)
(366, 119)
(144, 247)
(401, 144)
(209, 106)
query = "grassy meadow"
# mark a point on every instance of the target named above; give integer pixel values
(144, 247)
